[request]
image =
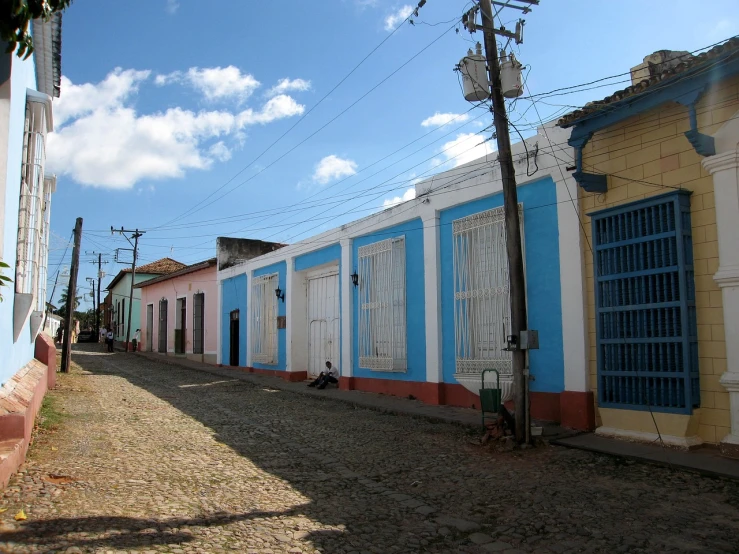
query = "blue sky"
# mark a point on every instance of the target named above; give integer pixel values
(167, 104)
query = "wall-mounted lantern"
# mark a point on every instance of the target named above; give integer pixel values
(280, 294)
(355, 279)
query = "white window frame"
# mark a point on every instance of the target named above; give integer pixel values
(264, 319)
(31, 254)
(482, 300)
(382, 306)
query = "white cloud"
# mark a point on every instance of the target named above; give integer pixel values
(439, 119)
(276, 108)
(392, 20)
(172, 6)
(409, 194)
(220, 151)
(79, 100)
(102, 141)
(465, 148)
(215, 83)
(286, 85)
(332, 167)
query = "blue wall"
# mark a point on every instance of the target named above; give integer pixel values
(281, 269)
(15, 354)
(233, 297)
(541, 244)
(415, 302)
(318, 257)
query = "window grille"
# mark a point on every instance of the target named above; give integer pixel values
(30, 213)
(198, 308)
(482, 300)
(44, 247)
(163, 307)
(646, 329)
(264, 319)
(382, 306)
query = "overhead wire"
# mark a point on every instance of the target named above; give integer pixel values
(202, 205)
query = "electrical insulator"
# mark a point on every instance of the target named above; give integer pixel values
(510, 76)
(475, 82)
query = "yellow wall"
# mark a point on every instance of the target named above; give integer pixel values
(644, 156)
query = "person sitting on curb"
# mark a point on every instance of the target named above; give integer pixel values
(329, 376)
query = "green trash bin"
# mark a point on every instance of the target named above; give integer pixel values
(489, 398)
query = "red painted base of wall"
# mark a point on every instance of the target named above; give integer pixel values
(45, 352)
(570, 408)
(291, 376)
(578, 410)
(21, 407)
(430, 393)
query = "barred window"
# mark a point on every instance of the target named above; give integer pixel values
(646, 328)
(198, 327)
(31, 212)
(382, 306)
(264, 319)
(482, 299)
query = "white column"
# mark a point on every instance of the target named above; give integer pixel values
(347, 295)
(247, 317)
(725, 170)
(219, 324)
(573, 286)
(432, 285)
(289, 289)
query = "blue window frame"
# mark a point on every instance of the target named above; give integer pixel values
(647, 345)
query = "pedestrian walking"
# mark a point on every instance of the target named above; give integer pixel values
(110, 340)
(136, 340)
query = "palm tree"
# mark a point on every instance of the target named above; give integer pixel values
(62, 311)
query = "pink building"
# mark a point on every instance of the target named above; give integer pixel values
(178, 313)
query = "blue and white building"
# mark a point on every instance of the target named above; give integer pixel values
(27, 87)
(414, 300)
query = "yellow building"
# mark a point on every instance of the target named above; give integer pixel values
(659, 199)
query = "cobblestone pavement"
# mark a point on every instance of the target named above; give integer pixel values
(167, 459)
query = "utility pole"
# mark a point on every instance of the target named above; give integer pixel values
(99, 278)
(91, 280)
(71, 295)
(97, 310)
(135, 236)
(510, 203)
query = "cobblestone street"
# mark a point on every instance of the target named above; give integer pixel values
(157, 458)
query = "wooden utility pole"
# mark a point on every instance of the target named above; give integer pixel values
(97, 310)
(512, 224)
(71, 295)
(135, 237)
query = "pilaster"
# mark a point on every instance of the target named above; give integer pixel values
(724, 168)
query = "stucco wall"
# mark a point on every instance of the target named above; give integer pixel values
(121, 291)
(15, 354)
(281, 269)
(185, 286)
(647, 155)
(233, 297)
(544, 303)
(415, 300)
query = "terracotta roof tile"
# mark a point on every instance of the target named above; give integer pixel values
(159, 267)
(592, 107)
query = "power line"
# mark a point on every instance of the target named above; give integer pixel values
(200, 205)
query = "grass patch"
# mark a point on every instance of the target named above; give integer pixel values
(50, 416)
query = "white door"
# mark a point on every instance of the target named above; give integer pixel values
(323, 322)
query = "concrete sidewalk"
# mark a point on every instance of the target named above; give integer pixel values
(704, 460)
